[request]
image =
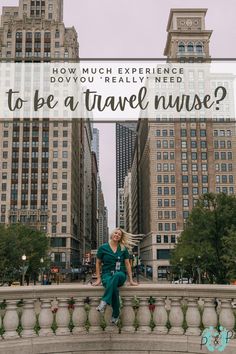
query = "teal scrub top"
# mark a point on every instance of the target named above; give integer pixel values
(109, 258)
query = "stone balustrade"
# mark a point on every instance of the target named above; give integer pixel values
(154, 319)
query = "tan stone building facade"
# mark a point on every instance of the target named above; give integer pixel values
(46, 165)
(180, 160)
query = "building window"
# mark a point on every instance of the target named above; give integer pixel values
(181, 47)
(158, 239)
(163, 254)
(190, 47)
(184, 179)
(199, 48)
(185, 203)
(166, 239)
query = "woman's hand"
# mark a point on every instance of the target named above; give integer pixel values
(97, 282)
(133, 283)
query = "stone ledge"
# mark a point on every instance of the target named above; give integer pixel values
(109, 343)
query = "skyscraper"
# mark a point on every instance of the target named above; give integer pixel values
(125, 140)
(45, 165)
(180, 160)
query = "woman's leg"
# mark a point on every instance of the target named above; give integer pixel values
(111, 295)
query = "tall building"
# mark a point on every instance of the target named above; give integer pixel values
(177, 161)
(95, 144)
(45, 174)
(125, 140)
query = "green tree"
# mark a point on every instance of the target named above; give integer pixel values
(208, 242)
(16, 240)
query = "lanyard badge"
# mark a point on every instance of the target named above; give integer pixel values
(118, 264)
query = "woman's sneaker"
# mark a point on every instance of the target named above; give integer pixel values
(102, 306)
(115, 320)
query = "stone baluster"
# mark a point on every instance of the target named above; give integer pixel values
(11, 320)
(62, 318)
(209, 317)
(127, 316)
(144, 316)
(193, 318)
(176, 316)
(46, 318)
(0, 325)
(28, 319)
(94, 316)
(110, 328)
(79, 317)
(160, 317)
(226, 317)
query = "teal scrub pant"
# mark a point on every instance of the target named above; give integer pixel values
(111, 283)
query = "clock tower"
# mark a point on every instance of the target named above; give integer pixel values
(187, 40)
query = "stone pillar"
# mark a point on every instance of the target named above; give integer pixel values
(144, 316)
(28, 319)
(209, 317)
(11, 320)
(45, 318)
(160, 317)
(127, 316)
(79, 317)
(62, 318)
(193, 318)
(94, 316)
(110, 328)
(226, 317)
(176, 316)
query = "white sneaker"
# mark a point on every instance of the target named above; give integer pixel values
(102, 306)
(115, 320)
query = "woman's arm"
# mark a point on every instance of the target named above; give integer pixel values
(98, 272)
(129, 271)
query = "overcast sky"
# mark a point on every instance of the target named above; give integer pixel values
(136, 29)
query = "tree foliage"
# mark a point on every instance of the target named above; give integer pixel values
(15, 241)
(208, 242)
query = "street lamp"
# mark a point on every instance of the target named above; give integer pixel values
(181, 269)
(24, 268)
(199, 270)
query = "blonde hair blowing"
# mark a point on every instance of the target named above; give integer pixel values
(128, 240)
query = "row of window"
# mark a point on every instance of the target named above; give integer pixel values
(166, 226)
(166, 203)
(222, 144)
(166, 190)
(27, 165)
(192, 133)
(194, 167)
(223, 155)
(165, 167)
(195, 179)
(222, 132)
(195, 190)
(190, 47)
(224, 167)
(33, 186)
(165, 156)
(194, 144)
(226, 190)
(165, 132)
(225, 179)
(34, 175)
(165, 178)
(166, 239)
(165, 144)
(166, 214)
(194, 155)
